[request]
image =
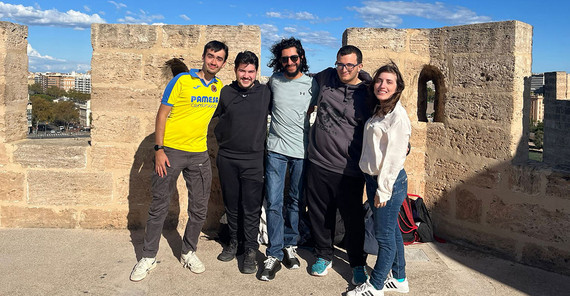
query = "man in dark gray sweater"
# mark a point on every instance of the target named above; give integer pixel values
(334, 179)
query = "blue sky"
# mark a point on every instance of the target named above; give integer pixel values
(59, 30)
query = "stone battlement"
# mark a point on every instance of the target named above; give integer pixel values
(469, 159)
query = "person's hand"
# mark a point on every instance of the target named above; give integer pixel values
(161, 162)
(377, 202)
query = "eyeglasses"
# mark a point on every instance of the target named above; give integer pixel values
(349, 67)
(293, 58)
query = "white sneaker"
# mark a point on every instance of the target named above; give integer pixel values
(191, 261)
(365, 289)
(142, 268)
(392, 285)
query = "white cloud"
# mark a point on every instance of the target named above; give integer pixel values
(141, 18)
(184, 17)
(387, 13)
(118, 5)
(45, 63)
(270, 34)
(302, 15)
(32, 53)
(31, 16)
(86, 8)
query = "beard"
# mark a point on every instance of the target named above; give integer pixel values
(289, 74)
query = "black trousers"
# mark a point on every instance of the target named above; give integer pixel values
(326, 192)
(242, 190)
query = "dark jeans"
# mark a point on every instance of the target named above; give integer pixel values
(326, 191)
(197, 172)
(242, 189)
(387, 231)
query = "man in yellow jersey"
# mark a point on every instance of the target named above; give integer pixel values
(188, 103)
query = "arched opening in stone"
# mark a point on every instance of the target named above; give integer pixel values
(431, 95)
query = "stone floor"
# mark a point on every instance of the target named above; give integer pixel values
(98, 262)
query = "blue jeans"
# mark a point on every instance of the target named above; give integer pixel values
(283, 224)
(387, 231)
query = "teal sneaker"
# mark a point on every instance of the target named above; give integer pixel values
(321, 267)
(359, 275)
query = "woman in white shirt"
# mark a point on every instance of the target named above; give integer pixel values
(386, 137)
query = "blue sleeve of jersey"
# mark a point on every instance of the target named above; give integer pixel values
(169, 88)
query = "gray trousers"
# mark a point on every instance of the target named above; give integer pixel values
(197, 172)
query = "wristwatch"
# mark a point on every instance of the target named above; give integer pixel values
(158, 147)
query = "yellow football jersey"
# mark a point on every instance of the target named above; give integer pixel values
(193, 103)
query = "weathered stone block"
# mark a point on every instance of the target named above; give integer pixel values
(419, 41)
(530, 220)
(468, 206)
(135, 188)
(486, 177)
(481, 239)
(52, 153)
(127, 100)
(118, 68)
(69, 188)
(374, 39)
(484, 72)
(103, 219)
(15, 125)
(117, 127)
(157, 74)
(108, 157)
(558, 185)
(12, 188)
(15, 216)
(177, 36)
(496, 38)
(526, 179)
(493, 107)
(111, 36)
(13, 36)
(491, 141)
(549, 258)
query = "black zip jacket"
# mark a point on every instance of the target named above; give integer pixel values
(242, 127)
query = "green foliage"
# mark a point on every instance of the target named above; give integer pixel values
(430, 94)
(77, 96)
(35, 88)
(537, 156)
(538, 139)
(42, 109)
(55, 91)
(65, 113)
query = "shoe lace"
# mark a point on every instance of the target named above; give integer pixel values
(269, 262)
(291, 251)
(362, 287)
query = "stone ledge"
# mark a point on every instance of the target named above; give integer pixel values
(65, 153)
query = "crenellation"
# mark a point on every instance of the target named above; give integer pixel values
(462, 164)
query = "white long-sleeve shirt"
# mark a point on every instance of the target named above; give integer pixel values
(384, 148)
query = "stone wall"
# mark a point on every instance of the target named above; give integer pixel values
(470, 164)
(557, 120)
(104, 183)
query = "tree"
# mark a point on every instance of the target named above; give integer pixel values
(77, 96)
(538, 139)
(42, 110)
(430, 94)
(55, 92)
(65, 113)
(35, 88)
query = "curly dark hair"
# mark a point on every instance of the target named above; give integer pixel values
(276, 49)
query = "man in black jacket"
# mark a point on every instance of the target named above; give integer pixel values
(241, 133)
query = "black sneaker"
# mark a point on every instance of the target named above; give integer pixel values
(272, 266)
(290, 258)
(229, 252)
(249, 262)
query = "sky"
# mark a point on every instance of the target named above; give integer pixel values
(59, 37)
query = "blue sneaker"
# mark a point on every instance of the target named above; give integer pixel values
(321, 267)
(359, 275)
